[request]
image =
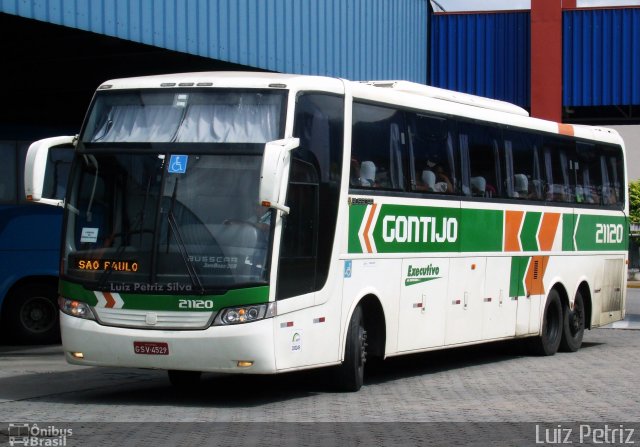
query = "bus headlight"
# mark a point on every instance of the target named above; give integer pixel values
(245, 314)
(75, 308)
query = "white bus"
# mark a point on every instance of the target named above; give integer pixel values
(265, 223)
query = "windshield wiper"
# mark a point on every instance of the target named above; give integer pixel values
(94, 162)
(130, 229)
(144, 208)
(173, 224)
(125, 237)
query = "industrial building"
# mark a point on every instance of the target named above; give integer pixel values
(560, 60)
(56, 52)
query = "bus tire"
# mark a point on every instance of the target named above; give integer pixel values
(548, 341)
(31, 314)
(350, 375)
(184, 380)
(573, 327)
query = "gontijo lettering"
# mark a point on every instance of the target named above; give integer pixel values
(419, 229)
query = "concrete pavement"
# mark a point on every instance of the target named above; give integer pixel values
(632, 318)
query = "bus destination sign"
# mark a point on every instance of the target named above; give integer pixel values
(107, 264)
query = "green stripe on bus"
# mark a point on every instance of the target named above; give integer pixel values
(598, 233)
(529, 233)
(356, 215)
(234, 297)
(518, 272)
(568, 227)
(481, 230)
(418, 229)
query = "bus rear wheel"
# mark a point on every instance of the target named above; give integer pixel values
(573, 327)
(350, 375)
(31, 314)
(548, 341)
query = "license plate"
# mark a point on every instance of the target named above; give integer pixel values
(150, 348)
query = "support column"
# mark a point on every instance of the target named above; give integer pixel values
(546, 59)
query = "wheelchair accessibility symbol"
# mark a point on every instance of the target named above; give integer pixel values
(178, 164)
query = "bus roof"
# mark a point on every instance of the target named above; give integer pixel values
(239, 79)
(450, 101)
(450, 95)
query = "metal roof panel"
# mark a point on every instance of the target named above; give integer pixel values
(354, 39)
(482, 54)
(601, 57)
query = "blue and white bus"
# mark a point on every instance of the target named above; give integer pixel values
(29, 251)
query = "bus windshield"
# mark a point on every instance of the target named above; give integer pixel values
(130, 220)
(171, 217)
(185, 116)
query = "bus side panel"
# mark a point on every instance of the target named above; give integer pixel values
(466, 299)
(29, 243)
(611, 290)
(310, 335)
(423, 303)
(380, 278)
(499, 309)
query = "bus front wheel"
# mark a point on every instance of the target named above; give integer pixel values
(548, 341)
(573, 327)
(350, 375)
(31, 314)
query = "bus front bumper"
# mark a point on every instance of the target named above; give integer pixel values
(242, 348)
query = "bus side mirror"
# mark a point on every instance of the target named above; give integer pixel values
(43, 173)
(274, 162)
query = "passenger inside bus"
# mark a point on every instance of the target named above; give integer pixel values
(368, 173)
(354, 173)
(434, 179)
(363, 174)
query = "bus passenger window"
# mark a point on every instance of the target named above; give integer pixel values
(588, 174)
(432, 154)
(479, 159)
(377, 148)
(557, 154)
(522, 166)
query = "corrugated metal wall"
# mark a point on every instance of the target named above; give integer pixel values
(601, 57)
(355, 39)
(482, 54)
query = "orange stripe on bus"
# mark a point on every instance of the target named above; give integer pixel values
(513, 219)
(548, 229)
(367, 226)
(111, 302)
(565, 129)
(535, 275)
